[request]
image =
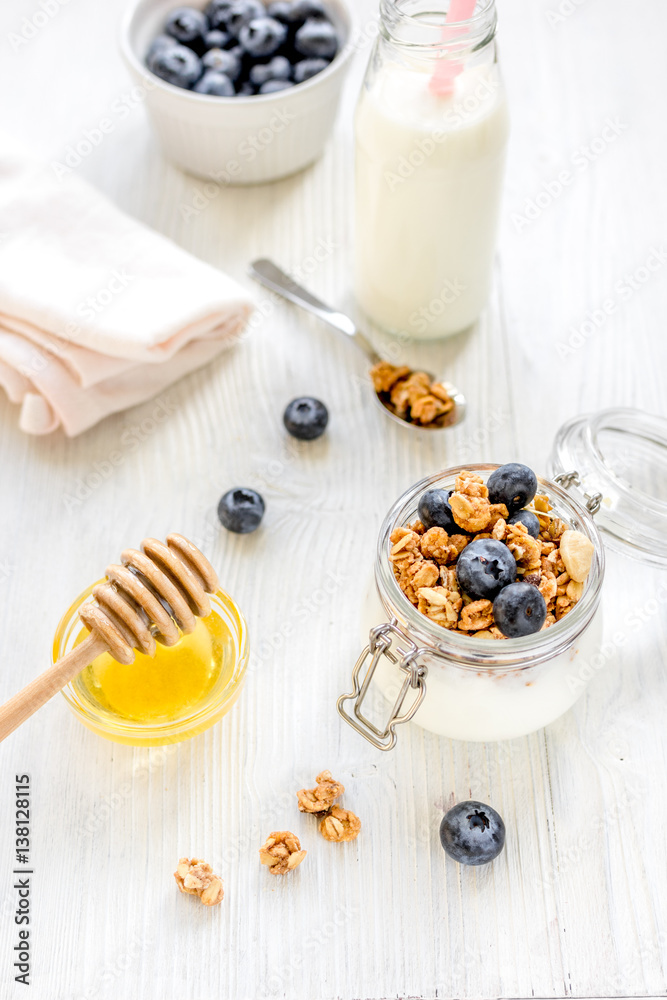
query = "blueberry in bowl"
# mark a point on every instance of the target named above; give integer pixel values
(317, 39)
(236, 38)
(279, 68)
(188, 26)
(262, 37)
(177, 65)
(275, 121)
(215, 84)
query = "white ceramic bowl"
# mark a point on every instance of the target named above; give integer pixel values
(237, 140)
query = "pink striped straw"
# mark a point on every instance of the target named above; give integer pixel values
(446, 71)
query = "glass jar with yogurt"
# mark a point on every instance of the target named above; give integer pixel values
(609, 472)
(431, 132)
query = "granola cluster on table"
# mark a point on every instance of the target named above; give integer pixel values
(469, 593)
(413, 396)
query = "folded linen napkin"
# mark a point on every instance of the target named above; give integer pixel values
(97, 311)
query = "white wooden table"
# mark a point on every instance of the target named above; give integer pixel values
(577, 904)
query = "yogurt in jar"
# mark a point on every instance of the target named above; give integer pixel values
(429, 173)
(485, 704)
(462, 679)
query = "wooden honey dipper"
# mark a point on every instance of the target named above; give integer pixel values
(155, 595)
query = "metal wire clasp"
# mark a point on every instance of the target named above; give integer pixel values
(570, 479)
(406, 656)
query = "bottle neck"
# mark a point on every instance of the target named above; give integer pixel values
(417, 27)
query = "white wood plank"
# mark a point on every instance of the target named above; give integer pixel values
(576, 905)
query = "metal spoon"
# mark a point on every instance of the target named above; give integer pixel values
(270, 275)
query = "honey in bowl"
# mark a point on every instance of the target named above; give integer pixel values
(170, 696)
(176, 680)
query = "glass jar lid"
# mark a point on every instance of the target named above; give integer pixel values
(615, 463)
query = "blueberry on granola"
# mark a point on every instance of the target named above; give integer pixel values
(513, 484)
(519, 610)
(484, 567)
(435, 512)
(528, 519)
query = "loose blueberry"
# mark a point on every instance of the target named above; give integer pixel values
(279, 68)
(221, 61)
(188, 26)
(302, 10)
(513, 484)
(216, 39)
(273, 86)
(472, 833)
(177, 65)
(262, 37)
(308, 68)
(305, 418)
(434, 511)
(241, 510)
(242, 12)
(218, 12)
(484, 567)
(519, 610)
(215, 85)
(317, 38)
(529, 519)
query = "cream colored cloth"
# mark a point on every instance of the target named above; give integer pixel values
(97, 312)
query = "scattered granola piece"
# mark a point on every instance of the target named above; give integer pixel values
(339, 825)
(195, 876)
(322, 797)
(281, 852)
(577, 554)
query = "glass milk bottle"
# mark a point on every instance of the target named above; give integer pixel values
(431, 132)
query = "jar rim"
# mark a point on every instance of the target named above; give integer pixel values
(467, 650)
(474, 32)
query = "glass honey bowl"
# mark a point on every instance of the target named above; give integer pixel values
(171, 696)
